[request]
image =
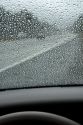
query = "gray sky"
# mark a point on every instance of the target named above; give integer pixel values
(62, 12)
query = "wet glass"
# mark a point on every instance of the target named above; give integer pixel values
(41, 43)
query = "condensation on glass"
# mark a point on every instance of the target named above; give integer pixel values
(41, 43)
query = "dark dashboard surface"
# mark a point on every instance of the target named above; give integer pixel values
(64, 101)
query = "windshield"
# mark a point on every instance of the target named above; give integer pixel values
(41, 43)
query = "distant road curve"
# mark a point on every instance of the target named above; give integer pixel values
(15, 52)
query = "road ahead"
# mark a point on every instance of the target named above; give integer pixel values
(16, 51)
(55, 61)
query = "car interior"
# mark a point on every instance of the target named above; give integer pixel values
(63, 101)
(41, 62)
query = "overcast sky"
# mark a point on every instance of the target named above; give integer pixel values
(62, 12)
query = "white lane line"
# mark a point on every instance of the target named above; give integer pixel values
(61, 41)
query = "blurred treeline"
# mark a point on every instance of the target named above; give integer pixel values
(22, 24)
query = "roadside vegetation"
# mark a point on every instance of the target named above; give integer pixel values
(23, 24)
(78, 25)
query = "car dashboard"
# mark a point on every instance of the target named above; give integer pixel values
(63, 101)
